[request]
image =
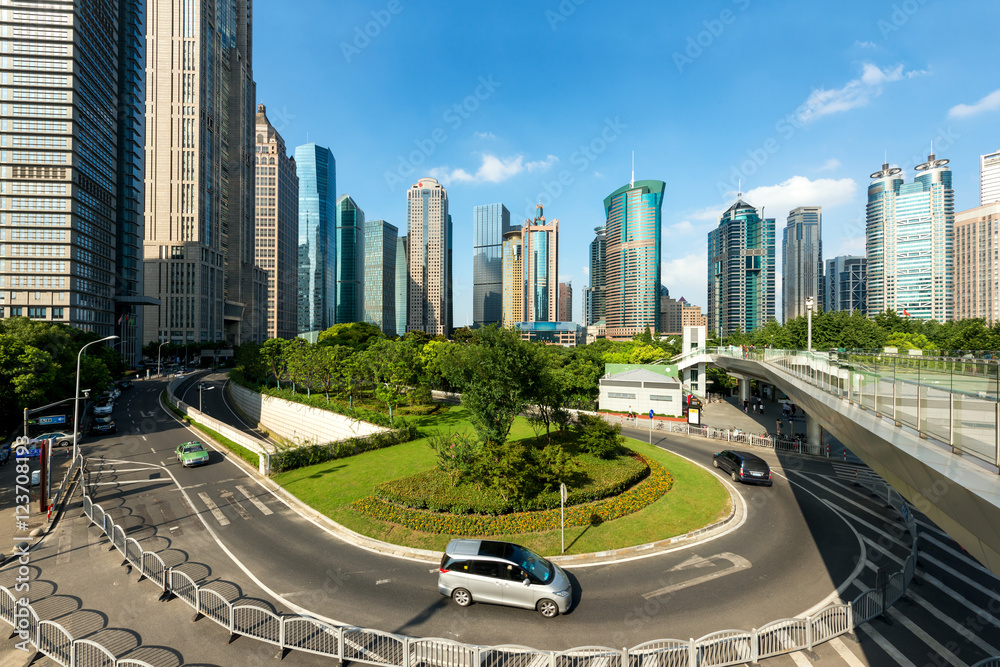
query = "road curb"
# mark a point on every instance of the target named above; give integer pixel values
(349, 536)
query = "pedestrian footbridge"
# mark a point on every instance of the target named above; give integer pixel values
(929, 426)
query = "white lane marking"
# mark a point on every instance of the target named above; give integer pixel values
(961, 629)
(143, 437)
(965, 558)
(927, 558)
(152, 450)
(926, 638)
(117, 471)
(800, 660)
(840, 647)
(129, 481)
(885, 645)
(738, 563)
(264, 509)
(214, 509)
(382, 581)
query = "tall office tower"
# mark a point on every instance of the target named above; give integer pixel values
(909, 236)
(490, 223)
(540, 242)
(675, 314)
(317, 237)
(845, 284)
(277, 233)
(199, 241)
(380, 275)
(565, 309)
(428, 232)
(71, 180)
(449, 287)
(977, 258)
(740, 270)
(350, 262)
(632, 257)
(595, 296)
(802, 261)
(513, 279)
(989, 178)
(402, 284)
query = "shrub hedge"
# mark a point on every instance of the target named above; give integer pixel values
(290, 458)
(435, 490)
(654, 487)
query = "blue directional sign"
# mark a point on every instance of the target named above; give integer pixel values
(54, 419)
(651, 414)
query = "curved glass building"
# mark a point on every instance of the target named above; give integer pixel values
(317, 238)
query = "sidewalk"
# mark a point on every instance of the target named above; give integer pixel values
(14, 526)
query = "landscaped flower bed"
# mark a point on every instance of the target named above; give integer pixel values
(657, 483)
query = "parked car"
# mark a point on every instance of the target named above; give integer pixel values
(105, 407)
(503, 573)
(104, 424)
(191, 454)
(743, 467)
(125, 384)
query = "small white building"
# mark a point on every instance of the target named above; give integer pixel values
(641, 391)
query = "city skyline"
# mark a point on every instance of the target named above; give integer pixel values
(812, 144)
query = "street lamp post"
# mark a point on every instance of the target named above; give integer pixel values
(76, 394)
(201, 388)
(809, 319)
(158, 357)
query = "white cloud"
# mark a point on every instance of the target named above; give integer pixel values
(989, 103)
(709, 212)
(779, 199)
(492, 170)
(855, 93)
(865, 45)
(830, 165)
(484, 135)
(686, 277)
(851, 245)
(682, 227)
(598, 174)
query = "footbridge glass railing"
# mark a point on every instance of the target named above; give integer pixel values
(955, 400)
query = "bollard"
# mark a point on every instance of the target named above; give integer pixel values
(845, 456)
(827, 450)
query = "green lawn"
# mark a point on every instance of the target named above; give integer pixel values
(696, 499)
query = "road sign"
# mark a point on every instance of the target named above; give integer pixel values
(53, 419)
(651, 413)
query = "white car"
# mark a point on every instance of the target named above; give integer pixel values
(61, 437)
(104, 408)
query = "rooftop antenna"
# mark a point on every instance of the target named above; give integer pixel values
(632, 182)
(739, 188)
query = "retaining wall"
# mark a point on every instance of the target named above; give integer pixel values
(297, 423)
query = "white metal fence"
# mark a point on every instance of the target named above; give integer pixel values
(384, 649)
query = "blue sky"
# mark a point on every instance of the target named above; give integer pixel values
(506, 101)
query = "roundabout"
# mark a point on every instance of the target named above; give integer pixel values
(785, 555)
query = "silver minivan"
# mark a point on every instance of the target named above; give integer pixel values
(503, 573)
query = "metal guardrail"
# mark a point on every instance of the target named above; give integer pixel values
(384, 649)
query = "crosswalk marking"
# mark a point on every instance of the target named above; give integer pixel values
(885, 645)
(228, 497)
(840, 647)
(264, 509)
(926, 638)
(800, 660)
(213, 508)
(966, 559)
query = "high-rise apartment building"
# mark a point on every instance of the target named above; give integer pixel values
(989, 178)
(317, 237)
(490, 223)
(540, 247)
(595, 296)
(740, 270)
(428, 232)
(277, 228)
(675, 314)
(845, 284)
(402, 284)
(513, 279)
(632, 255)
(565, 308)
(909, 237)
(802, 261)
(381, 240)
(199, 238)
(977, 263)
(71, 181)
(350, 264)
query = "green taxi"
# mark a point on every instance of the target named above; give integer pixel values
(192, 454)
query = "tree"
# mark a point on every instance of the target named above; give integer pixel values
(646, 337)
(908, 341)
(274, 353)
(394, 366)
(356, 335)
(27, 374)
(330, 360)
(497, 376)
(462, 335)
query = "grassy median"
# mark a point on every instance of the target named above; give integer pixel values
(695, 500)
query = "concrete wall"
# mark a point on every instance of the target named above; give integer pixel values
(297, 423)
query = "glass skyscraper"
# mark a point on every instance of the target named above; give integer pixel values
(909, 242)
(380, 275)
(317, 172)
(350, 261)
(513, 279)
(632, 258)
(802, 261)
(845, 284)
(740, 271)
(595, 296)
(402, 284)
(490, 223)
(429, 234)
(540, 242)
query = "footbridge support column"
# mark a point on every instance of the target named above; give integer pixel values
(814, 436)
(744, 389)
